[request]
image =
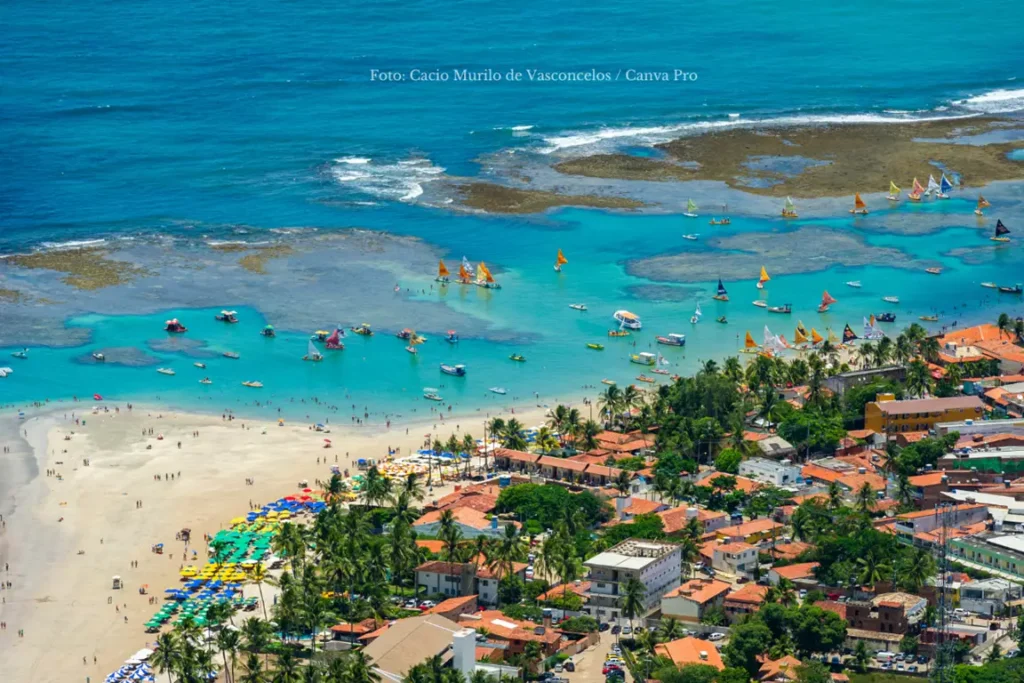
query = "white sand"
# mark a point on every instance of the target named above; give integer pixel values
(60, 597)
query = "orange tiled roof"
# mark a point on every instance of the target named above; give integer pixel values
(737, 547)
(812, 471)
(603, 471)
(754, 526)
(484, 572)
(700, 591)
(969, 336)
(774, 669)
(1001, 349)
(516, 456)
(742, 483)
(500, 626)
(929, 479)
(431, 545)
(796, 571)
(452, 604)
(562, 463)
(465, 515)
(640, 506)
(691, 650)
(854, 482)
(790, 551)
(750, 594)
(927, 513)
(555, 591)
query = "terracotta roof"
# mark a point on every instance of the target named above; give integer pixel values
(483, 572)
(441, 567)
(1002, 349)
(358, 628)
(990, 440)
(790, 551)
(452, 604)
(516, 456)
(742, 483)
(820, 497)
(750, 594)
(861, 433)
(640, 506)
(578, 588)
(838, 608)
(700, 591)
(854, 482)
(562, 463)
(479, 502)
(691, 650)
(911, 437)
(502, 627)
(734, 548)
(812, 471)
(971, 335)
(930, 405)
(465, 515)
(603, 471)
(796, 571)
(929, 479)
(754, 526)
(928, 513)
(433, 546)
(755, 436)
(773, 669)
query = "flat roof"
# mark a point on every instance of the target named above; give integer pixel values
(930, 405)
(632, 554)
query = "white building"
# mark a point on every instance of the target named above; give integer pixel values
(656, 565)
(774, 472)
(738, 559)
(989, 596)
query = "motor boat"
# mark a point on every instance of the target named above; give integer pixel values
(99, 357)
(453, 337)
(268, 331)
(643, 358)
(627, 320)
(853, 283)
(891, 299)
(200, 365)
(454, 370)
(165, 371)
(431, 394)
(174, 325)
(253, 385)
(672, 339)
(784, 308)
(578, 307)
(231, 354)
(518, 357)
(886, 317)
(227, 317)
(23, 354)
(498, 390)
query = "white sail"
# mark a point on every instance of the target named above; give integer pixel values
(697, 312)
(468, 267)
(311, 350)
(769, 338)
(932, 185)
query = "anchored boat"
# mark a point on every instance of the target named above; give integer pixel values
(894, 192)
(982, 204)
(643, 358)
(891, 299)
(454, 370)
(453, 337)
(1001, 232)
(173, 325)
(789, 209)
(431, 394)
(578, 307)
(363, 329)
(596, 347)
(227, 317)
(933, 271)
(627, 320)
(691, 209)
(859, 207)
(560, 261)
(268, 331)
(853, 283)
(826, 301)
(443, 276)
(886, 317)
(672, 339)
(498, 390)
(518, 357)
(165, 371)
(722, 295)
(312, 353)
(1016, 289)
(763, 279)
(97, 356)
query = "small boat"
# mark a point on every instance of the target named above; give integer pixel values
(643, 358)
(23, 354)
(578, 307)
(518, 357)
(97, 356)
(724, 221)
(431, 394)
(230, 354)
(1016, 289)
(815, 337)
(849, 335)
(691, 209)
(465, 273)
(312, 353)
(609, 382)
(453, 337)
(484, 278)
(826, 301)
(721, 295)
(990, 285)
(443, 276)
(784, 308)
(363, 329)
(227, 317)
(173, 325)
(414, 341)
(695, 318)
(333, 342)
(319, 335)
(7, 371)
(915, 192)
(497, 390)
(721, 319)
(1001, 232)
(200, 365)
(618, 333)
(929, 318)
(253, 385)
(789, 209)
(763, 279)
(560, 261)
(982, 204)
(404, 334)
(894, 192)
(933, 271)
(627, 320)
(886, 317)
(801, 335)
(165, 371)
(761, 303)
(644, 378)
(661, 371)
(596, 347)
(206, 380)
(691, 236)
(891, 299)
(933, 187)
(853, 283)
(455, 370)
(268, 331)
(859, 207)
(672, 339)
(944, 187)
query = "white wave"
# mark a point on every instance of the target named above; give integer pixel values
(72, 244)
(401, 180)
(521, 128)
(353, 160)
(1000, 101)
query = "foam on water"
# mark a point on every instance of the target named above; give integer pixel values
(994, 102)
(402, 181)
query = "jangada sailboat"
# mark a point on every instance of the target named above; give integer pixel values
(800, 336)
(695, 318)
(722, 295)
(1001, 232)
(815, 337)
(763, 279)
(560, 261)
(915, 192)
(312, 353)
(982, 204)
(484, 278)
(789, 209)
(944, 187)
(826, 301)
(749, 345)
(859, 207)
(691, 209)
(465, 275)
(848, 335)
(933, 187)
(894, 192)
(334, 341)
(442, 273)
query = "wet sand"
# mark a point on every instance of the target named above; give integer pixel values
(87, 269)
(503, 199)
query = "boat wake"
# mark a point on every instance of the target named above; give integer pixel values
(402, 180)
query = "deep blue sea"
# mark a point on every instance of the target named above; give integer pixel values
(136, 117)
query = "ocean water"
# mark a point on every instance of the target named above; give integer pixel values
(140, 118)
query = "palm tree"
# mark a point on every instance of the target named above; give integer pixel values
(904, 490)
(532, 654)
(256, 633)
(450, 534)
(287, 670)
(919, 379)
(916, 567)
(633, 601)
(622, 483)
(865, 498)
(1004, 323)
(873, 568)
(861, 656)
(167, 653)
(929, 348)
(610, 402)
(1018, 329)
(253, 670)
(497, 428)
(413, 487)
(360, 669)
(512, 436)
(229, 642)
(546, 441)
(259, 577)
(866, 353)
(782, 593)
(903, 349)
(507, 551)
(732, 369)
(835, 496)
(556, 419)
(588, 435)
(669, 629)
(469, 448)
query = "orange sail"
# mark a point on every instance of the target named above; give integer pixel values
(982, 203)
(815, 337)
(749, 343)
(560, 259)
(858, 203)
(463, 273)
(442, 270)
(486, 273)
(872, 320)
(916, 190)
(826, 299)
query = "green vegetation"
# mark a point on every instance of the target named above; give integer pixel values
(779, 630)
(548, 504)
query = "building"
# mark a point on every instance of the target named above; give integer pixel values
(689, 601)
(690, 650)
(753, 532)
(487, 581)
(453, 608)
(892, 613)
(889, 416)
(743, 601)
(995, 553)
(782, 670)
(676, 519)
(513, 634)
(738, 559)
(989, 596)
(775, 447)
(415, 640)
(470, 522)
(656, 565)
(909, 524)
(776, 472)
(453, 579)
(1009, 461)
(838, 384)
(797, 573)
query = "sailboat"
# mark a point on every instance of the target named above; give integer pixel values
(982, 204)
(915, 191)
(312, 353)
(944, 187)
(894, 192)
(469, 268)
(789, 209)
(933, 187)
(560, 261)
(848, 335)
(763, 279)
(826, 301)
(749, 345)
(800, 336)
(859, 207)
(464, 274)
(484, 278)
(722, 295)
(1001, 232)
(442, 272)
(334, 341)
(871, 331)
(832, 338)
(414, 341)
(691, 209)
(695, 318)
(815, 337)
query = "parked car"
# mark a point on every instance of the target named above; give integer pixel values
(921, 659)
(609, 668)
(716, 636)
(616, 630)
(912, 668)
(627, 630)
(558, 668)
(604, 626)
(742, 579)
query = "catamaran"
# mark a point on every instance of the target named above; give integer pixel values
(763, 279)
(691, 209)
(629, 321)
(826, 301)
(1001, 232)
(982, 204)
(894, 192)
(722, 295)
(944, 187)
(859, 207)
(695, 318)
(672, 339)
(560, 261)
(915, 191)
(442, 273)
(789, 209)
(312, 353)
(933, 187)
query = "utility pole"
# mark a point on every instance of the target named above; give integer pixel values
(943, 668)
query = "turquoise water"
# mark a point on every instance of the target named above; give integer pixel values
(140, 118)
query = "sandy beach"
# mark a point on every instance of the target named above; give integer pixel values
(71, 527)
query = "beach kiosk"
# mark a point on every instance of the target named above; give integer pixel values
(116, 583)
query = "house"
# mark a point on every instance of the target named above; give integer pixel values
(775, 447)
(690, 650)
(516, 461)
(633, 442)
(487, 581)
(782, 670)
(689, 601)
(601, 475)
(738, 559)
(743, 601)
(676, 519)
(891, 613)
(803, 573)
(470, 522)
(452, 608)
(775, 472)
(655, 564)
(753, 532)
(910, 523)
(513, 634)
(876, 641)
(999, 554)
(889, 416)
(744, 484)
(411, 641)
(561, 469)
(351, 632)
(789, 551)
(446, 578)
(580, 588)
(989, 596)
(840, 383)
(640, 506)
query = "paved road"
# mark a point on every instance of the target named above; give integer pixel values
(590, 662)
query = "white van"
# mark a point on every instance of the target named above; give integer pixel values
(884, 656)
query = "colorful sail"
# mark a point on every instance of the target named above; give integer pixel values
(858, 203)
(749, 343)
(916, 190)
(832, 336)
(467, 266)
(982, 203)
(932, 185)
(764, 276)
(848, 335)
(1001, 229)
(482, 270)
(801, 335)
(721, 288)
(781, 341)
(944, 185)
(335, 337)
(442, 270)
(815, 337)
(894, 190)
(826, 299)
(800, 327)
(691, 206)
(872, 320)
(789, 206)
(463, 273)
(560, 260)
